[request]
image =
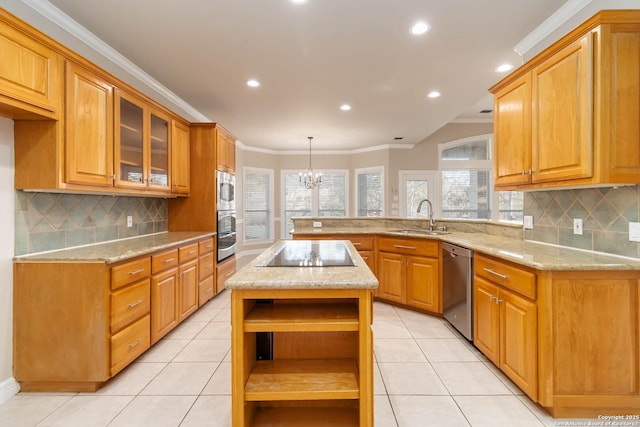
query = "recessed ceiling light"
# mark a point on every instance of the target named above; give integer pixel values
(419, 27)
(345, 107)
(434, 94)
(504, 68)
(298, 1)
(253, 83)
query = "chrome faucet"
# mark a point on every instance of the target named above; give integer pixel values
(432, 223)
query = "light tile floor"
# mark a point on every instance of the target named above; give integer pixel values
(426, 374)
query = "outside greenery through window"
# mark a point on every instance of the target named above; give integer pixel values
(370, 185)
(329, 199)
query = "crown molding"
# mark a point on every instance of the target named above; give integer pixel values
(68, 24)
(326, 152)
(549, 25)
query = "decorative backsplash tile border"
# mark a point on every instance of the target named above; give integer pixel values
(605, 212)
(48, 221)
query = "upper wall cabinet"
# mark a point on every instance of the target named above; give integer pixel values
(142, 143)
(569, 117)
(89, 128)
(31, 75)
(180, 162)
(225, 151)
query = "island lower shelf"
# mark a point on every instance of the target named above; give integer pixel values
(319, 370)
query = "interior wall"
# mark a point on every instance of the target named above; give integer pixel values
(7, 385)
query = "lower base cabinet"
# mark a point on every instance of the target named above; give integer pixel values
(79, 323)
(224, 270)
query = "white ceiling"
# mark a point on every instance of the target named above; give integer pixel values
(312, 58)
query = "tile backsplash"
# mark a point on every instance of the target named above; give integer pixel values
(605, 212)
(47, 221)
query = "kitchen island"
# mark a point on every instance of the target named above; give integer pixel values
(301, 343)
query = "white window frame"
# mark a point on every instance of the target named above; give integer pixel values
(435, 188)
(473, 165)
(271, 189)
(315, 195)
(384, 186)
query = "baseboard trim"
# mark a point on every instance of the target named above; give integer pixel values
(8, 389)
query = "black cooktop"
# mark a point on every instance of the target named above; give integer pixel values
(308, 253)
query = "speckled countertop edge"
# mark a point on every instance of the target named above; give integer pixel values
(541, 256)
(256, 276)
(118, 250)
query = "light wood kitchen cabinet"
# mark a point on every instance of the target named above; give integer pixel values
(142, 144)
(89, 128)
(188, 281)
(31, 74)
(409, 272)
(206, 271)
(224, 271)
(164, 294)
(505, 320)
(174, 288)
(560, 119)
(76, 324)
(225, 151)
(180, 158)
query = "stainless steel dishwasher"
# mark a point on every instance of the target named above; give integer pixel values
(457, 288)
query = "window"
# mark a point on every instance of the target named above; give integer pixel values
(258, 204)
(467, 187)
(329, 199)
(415, 187)
(370, 191)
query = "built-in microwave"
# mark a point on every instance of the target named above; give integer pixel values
(226, 235)
(226, 184)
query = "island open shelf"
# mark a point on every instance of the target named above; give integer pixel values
(320, 369)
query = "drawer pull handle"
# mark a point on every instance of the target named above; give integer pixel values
(134, 272)
(168, 260)
(356, 243)
(404, 247)
(495, 273)
(229, 274)
(208, 266)
(135, 343)
(208, 291)
(191, 252)
(133, 304)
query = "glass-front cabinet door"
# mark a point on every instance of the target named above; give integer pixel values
(159, 152)
(130, 151)
(141, 145)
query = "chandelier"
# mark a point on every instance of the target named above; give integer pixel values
(309, 178)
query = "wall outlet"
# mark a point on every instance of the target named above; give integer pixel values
(317, 224)
(577, 226)
(634, 231)
(528, 222)
(129, 221)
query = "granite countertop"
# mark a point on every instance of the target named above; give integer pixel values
(118, 250)
(256, 276)
(541, 256)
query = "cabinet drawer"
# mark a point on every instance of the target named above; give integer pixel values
(129, 304)
(206, 246)
(130, 272)
(223, 272)
(187, 253)
(206, 290)
(362, 243)
(130, 343)
(507, 275)
(206, 266)
(422, 247)
(164, 260)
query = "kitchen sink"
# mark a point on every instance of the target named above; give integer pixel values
(425, 232)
